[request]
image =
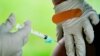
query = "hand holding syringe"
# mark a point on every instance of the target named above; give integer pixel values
(43, 36)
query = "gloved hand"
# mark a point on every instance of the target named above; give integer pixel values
(73, 16)
(11, 43)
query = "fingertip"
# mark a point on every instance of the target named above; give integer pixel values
(27, 22)
(96, 21)
(10, 22)
(27, 25)
(95, 18)
(90, 41)
(12, 15)
(89, 36)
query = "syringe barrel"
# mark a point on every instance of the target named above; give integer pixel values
(38, 34)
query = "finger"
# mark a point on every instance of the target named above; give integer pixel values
(24, 32)
(69, 45)
(10, 22)
(88, 30)
(94, 17)
(79, 44)
(11, 19)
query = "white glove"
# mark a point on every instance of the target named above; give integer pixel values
(71, 29)
(11, 43)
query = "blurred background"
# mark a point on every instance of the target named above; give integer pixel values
(39, 12)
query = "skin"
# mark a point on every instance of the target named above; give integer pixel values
(61, 51)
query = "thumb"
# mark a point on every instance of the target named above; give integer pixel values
(24, 32)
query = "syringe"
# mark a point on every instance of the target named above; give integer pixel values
(47, 38)
(43, 36)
